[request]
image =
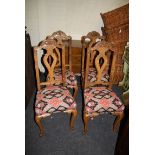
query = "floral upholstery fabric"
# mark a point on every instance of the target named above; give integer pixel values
(70, 77)
(101, 100)
(53, 99)
(92, 75)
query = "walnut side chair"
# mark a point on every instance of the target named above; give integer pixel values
(71, 81)
(52, 96)
(98, 95)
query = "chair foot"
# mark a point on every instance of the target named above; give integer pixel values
(119, 117)
(73, 117)
(86, 119)
(75, 92)
(38, 121)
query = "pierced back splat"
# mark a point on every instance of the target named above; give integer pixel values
(101, 62)
(50, 59)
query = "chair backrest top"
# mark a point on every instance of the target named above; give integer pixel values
(48, 43)
(102, 45)
(59, 36)
(92, 36)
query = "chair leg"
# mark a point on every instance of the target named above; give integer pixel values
(119, 117)
(38, 121)
(86, 119)
(75, 92)
(73, 117)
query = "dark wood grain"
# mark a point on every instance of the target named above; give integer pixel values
(30, 84)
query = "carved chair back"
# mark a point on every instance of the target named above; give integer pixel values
(50, 57)
(89, 41)
(103, 56)
(63, 39)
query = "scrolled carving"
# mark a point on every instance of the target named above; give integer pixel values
(59, 36)
(48, 43)
(93, 34)
(62, 34)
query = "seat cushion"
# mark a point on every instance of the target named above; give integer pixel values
(70, 77)
(53, 99)
(92, 75)
(101, 100)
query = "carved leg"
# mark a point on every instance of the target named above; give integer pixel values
(73, 117)
(119, 117)
(86, 119)
(75, 92)
(38, 121)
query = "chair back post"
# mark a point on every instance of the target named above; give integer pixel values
(83, 54)
(70, 53)
(63, 66)
(113, 68)
(35, 49)
(87, 69)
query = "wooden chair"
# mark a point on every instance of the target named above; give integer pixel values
(98, 95)
(71, 81)
(52, 97)
(87, 42)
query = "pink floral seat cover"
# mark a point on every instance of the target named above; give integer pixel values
(101, 100)
(70, 77)
(92, 75)
(53, 99)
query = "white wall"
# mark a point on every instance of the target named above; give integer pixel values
(74, 17)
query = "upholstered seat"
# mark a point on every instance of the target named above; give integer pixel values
(71, 80)
(101, 100)
(53, 99)
(92, 75)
